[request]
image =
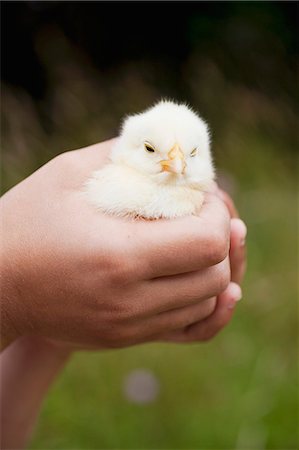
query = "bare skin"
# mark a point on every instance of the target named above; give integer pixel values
(73, 278)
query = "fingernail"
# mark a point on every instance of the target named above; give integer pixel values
(235, 295)
(242, 242)
(231, 306)
(243, 230)
(239, 228)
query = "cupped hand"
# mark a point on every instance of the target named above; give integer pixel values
(75, 275)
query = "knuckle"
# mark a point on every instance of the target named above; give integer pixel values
(121, 271)
(122, 312)
(210, 306)
(223, 278)
(218, 246)
(115, 331)
(220, 277)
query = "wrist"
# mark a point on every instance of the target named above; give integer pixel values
(11, 315)
(62, 350)
(12, 312)
(9, 331)
(48, 348)
(41, 351)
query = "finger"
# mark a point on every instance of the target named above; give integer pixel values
(178, 318)
(229, 203)
(238, 250)
(177, 291)
(168, 247)
(209, 327)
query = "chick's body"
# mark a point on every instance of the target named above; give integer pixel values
(160, 166)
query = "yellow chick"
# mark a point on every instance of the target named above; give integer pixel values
(159, 168)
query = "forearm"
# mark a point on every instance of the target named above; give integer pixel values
(28, 367)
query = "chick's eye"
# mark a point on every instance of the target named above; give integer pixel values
(194, 152)
(148, 147)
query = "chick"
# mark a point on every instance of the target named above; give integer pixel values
(159, 168)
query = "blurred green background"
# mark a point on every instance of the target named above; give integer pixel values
(70, 71)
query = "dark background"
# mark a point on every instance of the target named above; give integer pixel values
(70, 72)
(129, 54)
(166, 33)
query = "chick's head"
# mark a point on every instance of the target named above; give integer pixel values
(168, 142)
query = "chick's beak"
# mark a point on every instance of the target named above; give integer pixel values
(175, 162)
